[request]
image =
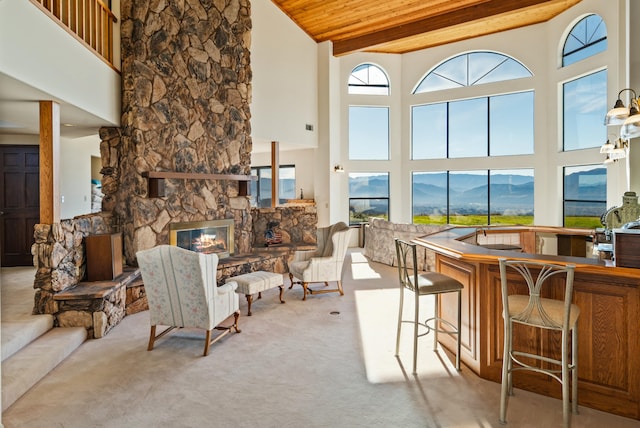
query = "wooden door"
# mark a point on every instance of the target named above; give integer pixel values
(19, 203)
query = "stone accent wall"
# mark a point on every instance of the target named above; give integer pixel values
(185, 108)
(380, 247)
(298, 224)
(59, 258)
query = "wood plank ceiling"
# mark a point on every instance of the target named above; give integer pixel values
(400, 26)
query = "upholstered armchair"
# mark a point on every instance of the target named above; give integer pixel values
(182, 292)
(325, 263)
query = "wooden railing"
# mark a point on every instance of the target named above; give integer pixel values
(90, 21)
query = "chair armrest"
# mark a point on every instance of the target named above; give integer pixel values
(229, 287)
(303, 256)
(319, 260)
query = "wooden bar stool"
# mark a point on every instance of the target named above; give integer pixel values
(533, 310)
(425, 284)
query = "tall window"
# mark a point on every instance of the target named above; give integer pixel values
(368, 79)
(261, 188)
(584, 106)
(587, 38)
(368, 196)
(469, 69)
(473, 197)
(368, 133)
(585, 195)
(497, 125)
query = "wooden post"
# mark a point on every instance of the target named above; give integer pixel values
(275, 173)
(49, 162)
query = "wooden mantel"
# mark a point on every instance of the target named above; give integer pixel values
(157, 189)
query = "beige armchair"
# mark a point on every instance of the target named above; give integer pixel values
(325, 263)
(182, 292)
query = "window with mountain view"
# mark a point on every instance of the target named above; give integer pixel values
(587, 38)
(585, 195)
(368, 196)
(368, 79)
(261, 188)
(480, 197)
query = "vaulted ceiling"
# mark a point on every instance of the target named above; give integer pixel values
(400, 26)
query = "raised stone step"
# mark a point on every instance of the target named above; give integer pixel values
(26, 367)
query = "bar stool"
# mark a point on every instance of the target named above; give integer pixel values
(425, 284)
(544, 313)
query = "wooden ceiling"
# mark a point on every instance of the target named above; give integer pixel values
(400, 26)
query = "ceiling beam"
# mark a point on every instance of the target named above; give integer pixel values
(460, 16)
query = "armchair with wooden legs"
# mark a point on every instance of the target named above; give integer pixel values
(182, 292)
(325, 263)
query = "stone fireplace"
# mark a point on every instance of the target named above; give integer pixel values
(182, 155)
(214, 236)
(185, 111)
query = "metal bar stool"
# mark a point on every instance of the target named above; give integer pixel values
(425, 284)
(533, 310)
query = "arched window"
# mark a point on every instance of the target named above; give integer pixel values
(368, 79)
(469, 69)
(587, 38)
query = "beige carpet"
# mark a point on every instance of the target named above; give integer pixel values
(325, 362)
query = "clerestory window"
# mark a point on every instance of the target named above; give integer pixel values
(368, 79)
(587, 38)
(470, 69)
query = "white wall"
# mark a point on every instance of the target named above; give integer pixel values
(89, 85)
(548, 158)
(304, 161)
(75, 175)
(330, 190)
(284, 86)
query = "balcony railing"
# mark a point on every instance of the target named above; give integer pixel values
(90, 21)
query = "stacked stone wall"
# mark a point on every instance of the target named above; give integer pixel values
(297, 224)
(185, 108)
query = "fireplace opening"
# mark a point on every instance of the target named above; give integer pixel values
(212, 236)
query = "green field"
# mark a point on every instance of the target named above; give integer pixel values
(497, 220)
(473, 220)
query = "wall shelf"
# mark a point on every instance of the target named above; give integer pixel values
(156, 185)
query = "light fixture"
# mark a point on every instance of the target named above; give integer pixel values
(619, 113)
(619, 149)
(338, 168)
(608, 146)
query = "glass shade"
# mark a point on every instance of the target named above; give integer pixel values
(617, 115)
(618, 154)
(631, 127)
(607, 147)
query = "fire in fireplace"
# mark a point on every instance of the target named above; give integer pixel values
(213, 236)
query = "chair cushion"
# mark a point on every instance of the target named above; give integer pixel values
(553, 308)
(435, 282)
(254, 282)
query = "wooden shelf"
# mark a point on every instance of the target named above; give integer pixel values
(157, 188)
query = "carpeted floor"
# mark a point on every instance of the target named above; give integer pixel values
(325, 362)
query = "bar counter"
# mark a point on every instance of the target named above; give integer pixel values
(608, 326)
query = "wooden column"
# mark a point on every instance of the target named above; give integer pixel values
(275, 173)
(49, 162)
